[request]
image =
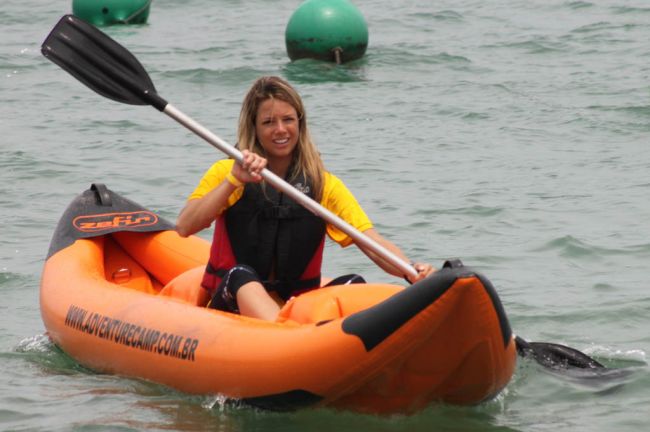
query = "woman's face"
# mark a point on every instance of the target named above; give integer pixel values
(277, 128)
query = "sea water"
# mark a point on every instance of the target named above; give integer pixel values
(510, 134)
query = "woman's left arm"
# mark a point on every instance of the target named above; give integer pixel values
(423, 269)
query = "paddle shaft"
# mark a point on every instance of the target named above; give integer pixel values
(278, 183)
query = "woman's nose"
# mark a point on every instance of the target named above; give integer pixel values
(279, 126)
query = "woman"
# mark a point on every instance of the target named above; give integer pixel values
(265, 243)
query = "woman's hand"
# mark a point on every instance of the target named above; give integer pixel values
(423, 270)
(250, 169)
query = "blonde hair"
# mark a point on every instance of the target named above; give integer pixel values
(306, 159)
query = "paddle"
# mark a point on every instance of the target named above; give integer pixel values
(112, 71)
(555, 356)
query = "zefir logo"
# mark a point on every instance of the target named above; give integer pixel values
(108, 221)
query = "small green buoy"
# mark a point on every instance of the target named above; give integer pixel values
(108, 12)
(330, 30)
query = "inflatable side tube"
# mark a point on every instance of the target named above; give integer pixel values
(376, 323)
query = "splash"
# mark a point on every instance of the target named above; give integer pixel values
(35, 344)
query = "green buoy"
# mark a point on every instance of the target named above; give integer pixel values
(330, 30)
(108, 12)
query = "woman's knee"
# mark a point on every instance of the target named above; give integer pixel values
(225, 297)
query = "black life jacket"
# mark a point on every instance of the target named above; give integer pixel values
(272, 233)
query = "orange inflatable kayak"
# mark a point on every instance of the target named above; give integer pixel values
(120, 293)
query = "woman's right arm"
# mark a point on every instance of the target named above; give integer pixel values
(199, 213)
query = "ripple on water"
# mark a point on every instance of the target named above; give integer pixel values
(474, 210)
(571, 247)
(308, 71)
(636, 11)
(225, 77)
(580, 4)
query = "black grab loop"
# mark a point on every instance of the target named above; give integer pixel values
(453, 263)
(102, 195)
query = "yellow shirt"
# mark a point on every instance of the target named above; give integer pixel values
(337, 198)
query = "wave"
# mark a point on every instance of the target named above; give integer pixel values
(40, 350)
(442, 16)
(536, 46)
(193, 52)
(224, 76)
(8, 277)
(630, 10)
(643, 111)
(571, 247)
(580, 5)
(35, 344)
(308, 71)
(475, 210)
(618, 358)
(603, 25)
(413, 54)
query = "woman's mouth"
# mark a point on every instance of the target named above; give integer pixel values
(281, 141)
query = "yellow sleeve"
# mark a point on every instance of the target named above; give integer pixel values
(338, 199)
(213, 178)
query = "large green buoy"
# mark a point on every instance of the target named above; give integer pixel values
(330, 30)
(108, 12)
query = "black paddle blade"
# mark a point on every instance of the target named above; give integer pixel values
(567, 362)
(100, 63)
(555, 356)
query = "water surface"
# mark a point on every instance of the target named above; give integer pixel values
(511, 134)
